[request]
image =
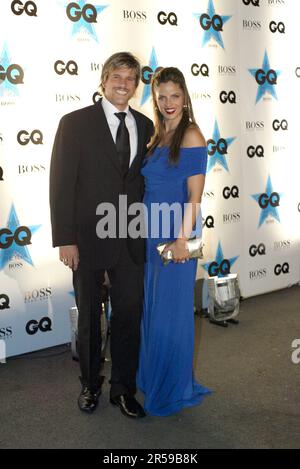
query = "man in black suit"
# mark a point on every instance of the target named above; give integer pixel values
(97, 157)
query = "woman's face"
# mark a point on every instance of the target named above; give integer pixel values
(170, 100)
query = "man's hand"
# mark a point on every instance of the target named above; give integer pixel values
(69, 255)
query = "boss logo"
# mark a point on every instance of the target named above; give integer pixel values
(226, 70)
(282, 269)
(22, 237)
(200, 70)
(75, 12)
(208, 194)
(37, 294)
(283, 244)
(66, 98)
(170, 18)
(264, 200)
(283, 125)
(207, 22)
(96, 97)
(31, 168)
(255, 125)
(280, 27)
(233, 217)
(209, 222)
(297, 72)
(260, 250)
(276, 2)
(44, 325)
(230, 97)
(147, 73)
(251, 24)
(231, 192)
(4, 301)
(1, 174)
(36, 137)
(220, 146)
(215, 269)
(18, 7)
(196, 95)
(14, 74)
(258, 151)
(255, 3)
(6, 332)
(258, 274)
(261, 77)
(134, 15)
(71, 67)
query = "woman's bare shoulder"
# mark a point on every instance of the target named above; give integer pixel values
(193, 137)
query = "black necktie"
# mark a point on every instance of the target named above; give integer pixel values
(123, 142)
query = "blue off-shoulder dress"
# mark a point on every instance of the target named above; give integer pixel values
(165, 373)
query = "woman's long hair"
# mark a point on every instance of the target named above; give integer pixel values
(175, 76)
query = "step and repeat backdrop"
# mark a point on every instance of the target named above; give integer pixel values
(242, 65)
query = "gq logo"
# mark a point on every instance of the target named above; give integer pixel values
(44, 325)
(209, 222)
(260, 250)
(215, 269)
(71, 67)
(264, 200)
(4, 301)
(280, 27)
(233, 192)
(17, 7)
(147, 73)
(36, 137)
(283, 125)
(170, 18)
(200, 69)
(261, 77)
(22, 237)
(96, 97)
(220, 146)
(88, 12)
(14, 74)
(297, 72)
(255, 3)
(230, 97)
(284, 269)
(258, 151)
(1, 174)
(206, 22)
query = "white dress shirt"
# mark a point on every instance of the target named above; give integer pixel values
(113, 122)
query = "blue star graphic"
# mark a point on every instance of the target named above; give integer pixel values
(218, 259)
(221, 153)
(270, 210)
(81, 24)
(6, 87)
(153, 64)
(212, 33)
(21, 252)
(265, 87)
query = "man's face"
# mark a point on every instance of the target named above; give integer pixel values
(120, 86)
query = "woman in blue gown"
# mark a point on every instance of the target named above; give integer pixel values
(174, 172)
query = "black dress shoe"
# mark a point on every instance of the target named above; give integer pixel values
(129, 406)
(88, 400)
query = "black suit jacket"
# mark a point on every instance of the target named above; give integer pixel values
(85, 172)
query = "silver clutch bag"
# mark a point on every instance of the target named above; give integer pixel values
(195, 248)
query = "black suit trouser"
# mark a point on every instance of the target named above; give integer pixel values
(126, 294)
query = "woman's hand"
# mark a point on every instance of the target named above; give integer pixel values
(179, 250)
